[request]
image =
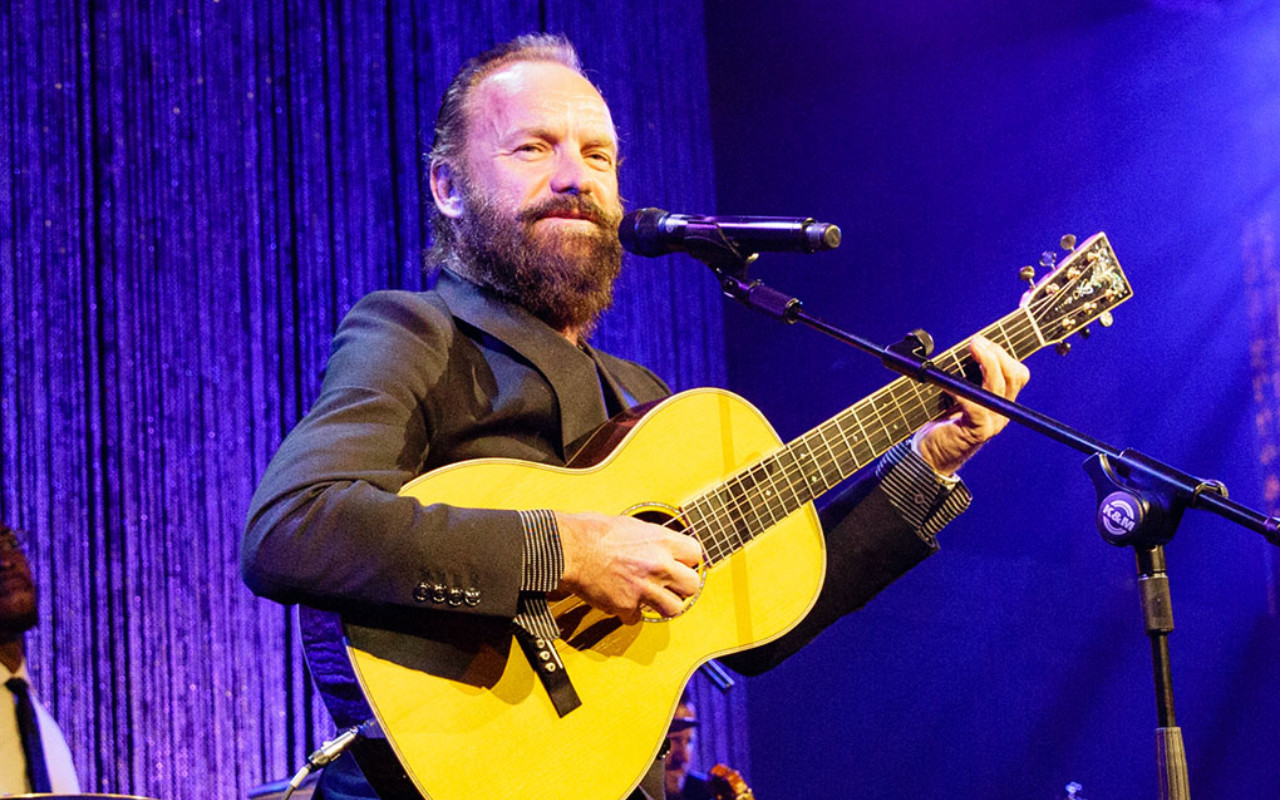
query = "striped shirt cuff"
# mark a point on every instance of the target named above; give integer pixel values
(925, 499)
(543, 554)
(543, 568)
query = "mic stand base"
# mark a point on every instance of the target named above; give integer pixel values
(1171, 760)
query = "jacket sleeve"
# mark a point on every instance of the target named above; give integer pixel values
(326, 526)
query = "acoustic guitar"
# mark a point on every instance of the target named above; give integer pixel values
(453, 711)
(727, 784)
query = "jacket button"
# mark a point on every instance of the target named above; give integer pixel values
(472, 596)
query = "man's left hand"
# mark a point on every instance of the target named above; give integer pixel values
(948, 442)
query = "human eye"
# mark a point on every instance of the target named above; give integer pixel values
(604, 158)
(529, 149)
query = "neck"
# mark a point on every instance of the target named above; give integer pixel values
(11, 653)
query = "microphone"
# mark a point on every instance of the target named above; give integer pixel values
(655, 232)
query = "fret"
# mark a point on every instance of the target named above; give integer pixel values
(790, 473)
(773, 500)
(752, 501)
(882, 439)
(855, 414)
(900, 426)
(808, 459)
(809, 471)
(750, 484)
(1031, 320)
(735, 499)
(738, 507)
(904, 393)
(831, 475)
(730, 519)
(698, 524)
(914, 410)
(921, 395)
(850, 447)
(1003, 334)
(713, 538)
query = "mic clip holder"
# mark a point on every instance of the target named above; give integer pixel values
(1141, 500)
(710, 246)
(1133, 512)
(912, 354)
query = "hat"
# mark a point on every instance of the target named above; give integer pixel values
(679, 723)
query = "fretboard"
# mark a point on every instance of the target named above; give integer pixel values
(763, 493)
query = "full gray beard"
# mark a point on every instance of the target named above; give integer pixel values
(563, 278)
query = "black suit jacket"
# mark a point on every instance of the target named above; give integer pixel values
(419, 380)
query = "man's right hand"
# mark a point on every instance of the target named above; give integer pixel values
(622, 565)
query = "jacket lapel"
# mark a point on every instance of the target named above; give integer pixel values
(570, 372)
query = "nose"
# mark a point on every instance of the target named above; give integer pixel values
(571, 174)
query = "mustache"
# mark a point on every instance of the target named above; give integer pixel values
(571, 205)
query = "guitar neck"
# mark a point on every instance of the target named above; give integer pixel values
(757, 497)
(1085, 287)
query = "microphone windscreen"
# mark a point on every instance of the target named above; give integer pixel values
(640, 230)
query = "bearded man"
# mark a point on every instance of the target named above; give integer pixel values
(495, 361)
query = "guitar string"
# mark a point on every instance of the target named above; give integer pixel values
(724, 513)
(909, 388)
(742, 502)
(899, 394)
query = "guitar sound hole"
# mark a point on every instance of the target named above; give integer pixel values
(669, 517)
(661, 516)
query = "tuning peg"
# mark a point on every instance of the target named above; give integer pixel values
(1106, 320)
(1063, 348)
(1085, 333)
(1048, 259)
(1028, 274)
(1068, 242)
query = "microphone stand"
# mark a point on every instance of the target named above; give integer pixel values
(1140, 499)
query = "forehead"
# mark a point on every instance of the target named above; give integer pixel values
(538, 94)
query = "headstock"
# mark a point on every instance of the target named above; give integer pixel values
(1081, 289)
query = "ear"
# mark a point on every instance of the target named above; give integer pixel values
(445, 190)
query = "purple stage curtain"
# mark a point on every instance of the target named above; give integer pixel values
(194, 193)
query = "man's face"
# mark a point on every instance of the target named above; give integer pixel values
(539, 182)
(17, 592)
(679, 750)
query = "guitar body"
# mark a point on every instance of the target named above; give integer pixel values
(461, 708)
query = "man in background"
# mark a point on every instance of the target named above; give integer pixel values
(680, 781)
(33, 754)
